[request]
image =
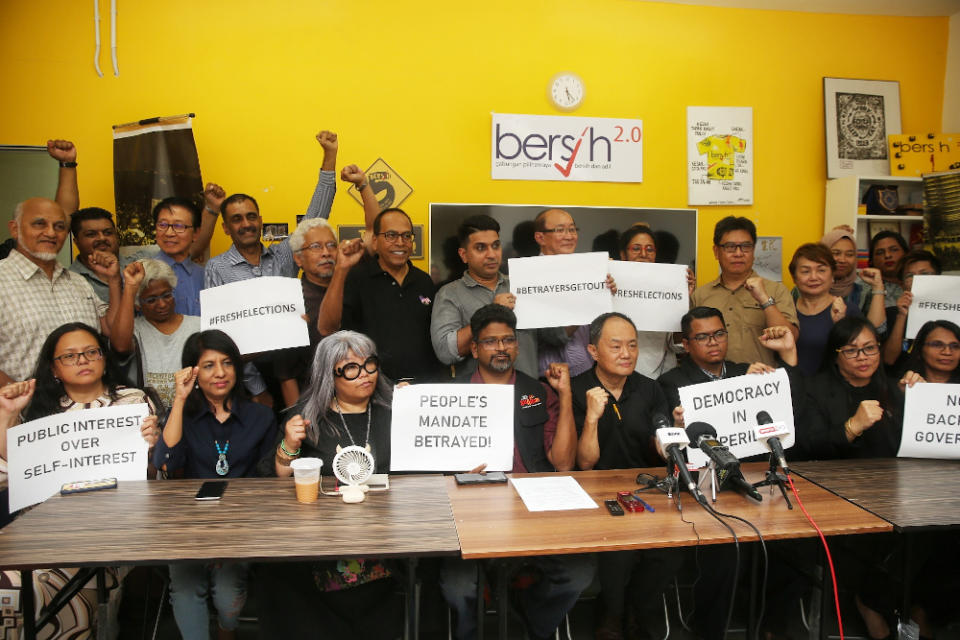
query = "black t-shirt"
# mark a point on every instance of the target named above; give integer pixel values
(396, 317)
(295, 362)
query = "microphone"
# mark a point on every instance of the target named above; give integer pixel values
(704, 437)
(769, 433)
(737, 481)
(669, 443)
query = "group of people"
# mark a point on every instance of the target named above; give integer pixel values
(112, 330)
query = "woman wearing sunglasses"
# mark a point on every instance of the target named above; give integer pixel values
(347, 403)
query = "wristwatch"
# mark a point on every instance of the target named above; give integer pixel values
(769, 303)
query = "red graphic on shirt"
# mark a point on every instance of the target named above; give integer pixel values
(529, 401)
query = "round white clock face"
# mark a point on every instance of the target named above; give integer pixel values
(566, 91)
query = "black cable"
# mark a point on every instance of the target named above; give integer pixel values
(736, 564)
(763, 583)
(696, 564)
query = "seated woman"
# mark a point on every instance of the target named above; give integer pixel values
(213, 431)
(812, 268)
(934, 355)
(74, 371)
(656, 351)
(347, 403)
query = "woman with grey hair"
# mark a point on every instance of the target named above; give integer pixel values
(347, 403)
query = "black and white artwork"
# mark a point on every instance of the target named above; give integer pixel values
(861, 132)
(859, 115)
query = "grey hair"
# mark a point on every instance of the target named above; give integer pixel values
(296, 238)
(321, 391)
(18, 213)
(155, 270)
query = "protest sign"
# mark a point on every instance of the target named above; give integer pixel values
(561, 290)
(731, 406)
(452, 427)
(91, 444)
(931, 421)
(654, 296)
(260, 314)
(934, 298)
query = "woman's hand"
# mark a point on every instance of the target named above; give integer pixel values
(874, 278)
(15, 396)
(909, 379)
(294, 433)
(150, 431)
(867, 415)
(133, 275)
(678, 417)
(183, 382)
(903, 303)
(760, 367)
(838, 309)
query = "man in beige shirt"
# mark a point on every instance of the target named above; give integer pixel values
(748, 302)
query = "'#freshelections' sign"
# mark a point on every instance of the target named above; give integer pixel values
(934, 298)
(526, 147)
(653, 295)
(731, 406)
(452, 427)
(931, 421)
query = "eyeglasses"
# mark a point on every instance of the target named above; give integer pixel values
(852, 352)
(153, 299)
(319, 246)
(731, 247)
(493, 343)
(563, 231)
(351, 370)
(644, 248)
(393, 236)
(178, 227)
(73, 359)
(717, 336)
(943, 346)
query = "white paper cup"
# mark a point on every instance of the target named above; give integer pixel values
(306, 478)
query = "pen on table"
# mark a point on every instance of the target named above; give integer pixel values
(646, 505)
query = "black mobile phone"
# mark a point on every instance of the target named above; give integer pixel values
(613, 507)
(492, 477)
(212, 490)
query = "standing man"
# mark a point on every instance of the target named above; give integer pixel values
(93, 231)
(481, 284)
(545, 439)
(39, 294)
(247, 257)
(748, 302)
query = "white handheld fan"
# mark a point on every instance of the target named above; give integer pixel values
(353, 466)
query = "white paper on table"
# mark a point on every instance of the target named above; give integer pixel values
(654, 296)
(260, 314)
(554, 493)
(931, 422)
(934, 298)
(561, 290)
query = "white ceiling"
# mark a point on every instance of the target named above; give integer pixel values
(866, 7)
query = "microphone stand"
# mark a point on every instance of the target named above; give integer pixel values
(711, 473)
(773, 478)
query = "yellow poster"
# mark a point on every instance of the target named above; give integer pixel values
(916, 154)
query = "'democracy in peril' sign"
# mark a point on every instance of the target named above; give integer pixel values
(565, 148)
(731, 406)
(931, 421)
(654, 296)
(260, 314)
(560, 291)
(934, 298)
(452, 427)
(91, 444)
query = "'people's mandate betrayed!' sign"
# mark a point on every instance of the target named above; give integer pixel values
(560, 291)
(91, 444)
(931, 421)
(260, 314)
(452, 427)
(731, 406)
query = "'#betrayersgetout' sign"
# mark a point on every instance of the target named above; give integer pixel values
(527, 147)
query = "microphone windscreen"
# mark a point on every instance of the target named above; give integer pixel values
(697, 429)
(660, 421)
(763, 417)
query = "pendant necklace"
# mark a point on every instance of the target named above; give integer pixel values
(223, 467)
(345, 428)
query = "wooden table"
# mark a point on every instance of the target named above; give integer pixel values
(160, 522)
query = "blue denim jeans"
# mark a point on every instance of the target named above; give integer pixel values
(189, 586)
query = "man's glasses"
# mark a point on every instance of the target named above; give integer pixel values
(731, 247)
(351, 370)
(178, 227)
(704, 338)
(319, 246)
(852, 352)
(73, 359)
(943, 346)
(393, 236)
(563, 231)
(492, 343)
(153, 299)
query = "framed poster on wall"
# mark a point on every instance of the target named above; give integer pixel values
(859, 115)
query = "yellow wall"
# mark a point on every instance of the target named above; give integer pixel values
(415, 82)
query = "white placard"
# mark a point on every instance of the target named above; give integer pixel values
(260, 314)
(931, 421)
(91, 444)
(560, 291)
(554, 493)
(452, 427)
(768, 258)
(566, 148)
(731, 406)
(654, 296)
(720, 155)
(934, 298)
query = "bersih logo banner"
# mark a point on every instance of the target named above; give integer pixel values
(153, 159)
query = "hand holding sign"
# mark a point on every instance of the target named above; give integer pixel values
(909, 379)
(903, 304)
(506, 299)
(150, 431)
